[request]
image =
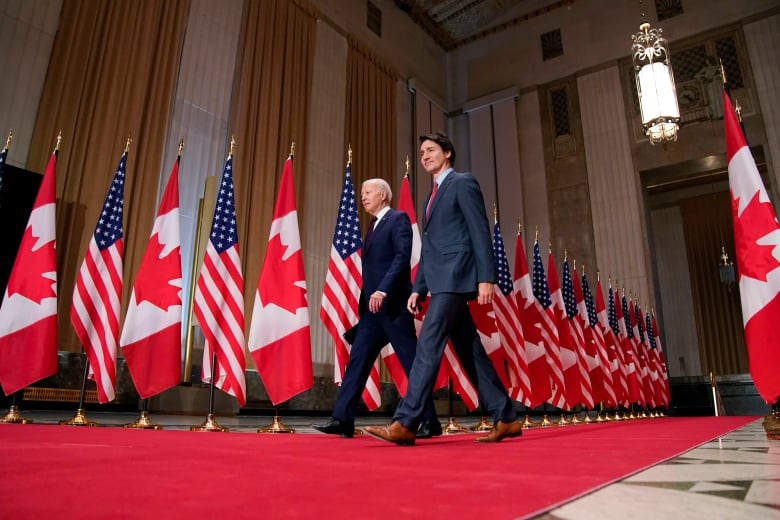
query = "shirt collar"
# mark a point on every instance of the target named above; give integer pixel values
(381, 214)
(443, 175)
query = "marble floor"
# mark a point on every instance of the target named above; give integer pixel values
(733, 477)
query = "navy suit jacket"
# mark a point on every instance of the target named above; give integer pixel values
(457, 248)
(386, 263)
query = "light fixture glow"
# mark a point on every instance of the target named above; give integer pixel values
(655, 85)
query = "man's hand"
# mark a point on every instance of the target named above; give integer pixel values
(484, 293)
(413, 304)
(376, 301)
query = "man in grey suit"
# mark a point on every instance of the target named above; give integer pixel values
(456, 265)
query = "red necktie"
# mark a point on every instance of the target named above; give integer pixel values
(430, 201)
(370, 229)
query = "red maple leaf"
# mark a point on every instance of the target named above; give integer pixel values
(279, 286)
(757, 221)
(31, 283)
(154, 286)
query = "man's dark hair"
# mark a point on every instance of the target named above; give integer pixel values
(443, 141)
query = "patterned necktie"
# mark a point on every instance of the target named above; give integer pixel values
(430, 201)
(370, 230)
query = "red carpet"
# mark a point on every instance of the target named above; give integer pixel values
(100, 473)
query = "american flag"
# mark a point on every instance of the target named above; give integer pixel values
(606, 316)
(662, 359)
(629, 349)
(219, 296)
(614, 325)
(538, 329)
(608, 395)
(644, 357)
(341, 294)
(98, 290)
(577, 327)
(508, 321)
(655, 362)
(542, 294)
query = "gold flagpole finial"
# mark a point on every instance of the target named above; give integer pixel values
(59, 141)
(232, 145)
(519, 227)
(180, 150)
(549, 246)
(349, 153)
(574, 264)
(292, 149)
(407, 165)
(127, 143)
(722, 71)
(495, 212)
(9, 139)
(536, 234)
(598, 275)
(738, 110)
(565, 252)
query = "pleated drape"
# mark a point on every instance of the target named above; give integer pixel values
(707, 227)
(370, 119)
(112, 75)
(269, 111)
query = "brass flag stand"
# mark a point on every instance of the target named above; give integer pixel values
(276, 425)
(13, 416)
(210, 424)
(452, 424)
(80, 418)
(144, 422)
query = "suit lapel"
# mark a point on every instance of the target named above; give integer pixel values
(379, 225)
(439, 195)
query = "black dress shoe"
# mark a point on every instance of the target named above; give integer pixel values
(428, 429)
(336, 427)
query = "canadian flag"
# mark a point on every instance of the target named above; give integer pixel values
(151, 336)
(28, 314)
(538, 329)
(279, 335)
(757, 243)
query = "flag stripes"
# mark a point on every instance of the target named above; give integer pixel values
(98, 289)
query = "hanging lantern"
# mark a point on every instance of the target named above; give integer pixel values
(655, 85)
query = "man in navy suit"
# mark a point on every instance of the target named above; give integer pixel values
(387, 285)
(456, 265)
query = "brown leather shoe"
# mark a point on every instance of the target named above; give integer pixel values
(501, 430)
(394, 432)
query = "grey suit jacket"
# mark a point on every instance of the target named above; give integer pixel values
(457, 249)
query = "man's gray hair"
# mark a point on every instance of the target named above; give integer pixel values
(383, 186)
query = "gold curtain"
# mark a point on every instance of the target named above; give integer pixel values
(370, 127)
(707, 226)
(269, 111)
(112, 74)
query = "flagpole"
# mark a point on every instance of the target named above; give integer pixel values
(80, 418)
(210, 424)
